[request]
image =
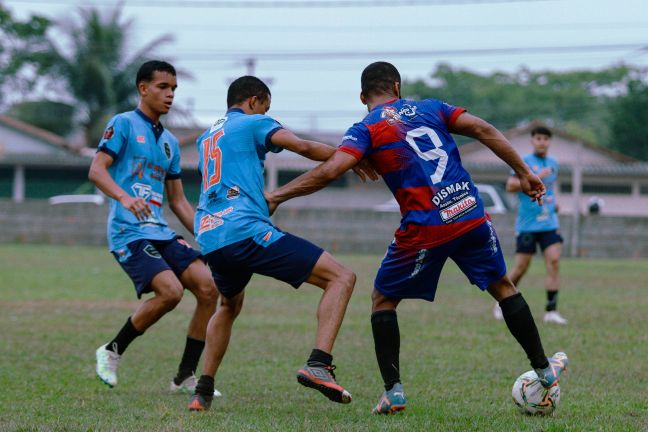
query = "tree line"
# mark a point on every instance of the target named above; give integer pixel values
(86, 71)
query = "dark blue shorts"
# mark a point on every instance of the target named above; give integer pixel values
(144, 259)
(290, 259)
(526, 242)
(412, 273)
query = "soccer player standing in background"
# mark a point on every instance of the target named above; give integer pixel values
(234, 231)
(136, 163)
(409, 143)
(538, 225)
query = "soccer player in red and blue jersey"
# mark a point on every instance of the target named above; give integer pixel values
(409, 144)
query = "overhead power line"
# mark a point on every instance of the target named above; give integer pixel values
(328, 55)
(277, 4)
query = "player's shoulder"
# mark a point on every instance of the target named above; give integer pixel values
(123, 118)
(552, 160)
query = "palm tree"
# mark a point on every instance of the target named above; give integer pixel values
(98, 69)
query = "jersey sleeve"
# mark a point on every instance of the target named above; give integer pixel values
(450, 113)
(115, 137)
(356, 141)
(264, 128)
(174, 168)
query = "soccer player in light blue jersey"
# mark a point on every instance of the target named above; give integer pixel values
(137, 161)
(537, 225)
(234, 231)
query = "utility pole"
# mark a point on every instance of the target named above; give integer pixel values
(577, 186)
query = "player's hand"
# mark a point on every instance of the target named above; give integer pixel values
(272, 204)
(138, 206)
(533, 187)
(365, 170)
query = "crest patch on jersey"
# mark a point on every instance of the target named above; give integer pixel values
(108, 133)
(167, 150)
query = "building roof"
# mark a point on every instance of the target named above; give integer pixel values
(25, 144)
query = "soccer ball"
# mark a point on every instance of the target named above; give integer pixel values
(532, 398)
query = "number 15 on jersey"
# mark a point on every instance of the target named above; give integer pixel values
(211, 160)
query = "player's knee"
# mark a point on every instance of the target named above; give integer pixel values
(231, 307)
(207, 292)
(171, 296)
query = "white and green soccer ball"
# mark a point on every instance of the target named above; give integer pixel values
(532, 398)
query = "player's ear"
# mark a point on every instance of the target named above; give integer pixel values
(252, 101)
(142, 88)
(396, 89)
(363, 99)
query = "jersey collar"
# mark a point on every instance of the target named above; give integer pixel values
(157, 128)
(235, 110)
(383, 104)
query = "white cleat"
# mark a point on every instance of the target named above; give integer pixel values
(188, 386)
(107, 364)
(497, 312)
(553, 317)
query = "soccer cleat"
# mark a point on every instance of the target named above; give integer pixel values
(322, 378)
(199, 402)
(107, 364)
(188, 385)
(391, 401)
(553, 317)
(550, 375)
(497, 312)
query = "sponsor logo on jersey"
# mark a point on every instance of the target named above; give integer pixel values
(218, 124)
(458, 209)
(447, 191)
(420, 257)
(233, 193)
(212, 221)
(141, 139)
(167, 150)
(349, 137)
(390, 114)
(267, 236)
(108, 133)
(408, 110)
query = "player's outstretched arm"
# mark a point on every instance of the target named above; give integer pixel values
(312, 150)
(475, 127)
(100, 176)
(313, 180)
(317, 151)
(178, 203)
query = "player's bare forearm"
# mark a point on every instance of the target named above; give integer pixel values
(312, 150)
(313, 180)
(179, 205)
(100, 176)
(513, 184)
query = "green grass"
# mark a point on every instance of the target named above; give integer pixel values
(57, 304)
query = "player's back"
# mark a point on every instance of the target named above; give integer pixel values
(231, 155)
(409, 144)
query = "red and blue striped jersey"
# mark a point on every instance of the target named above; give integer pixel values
(409, 145)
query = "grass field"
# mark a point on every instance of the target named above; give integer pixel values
(57, 304)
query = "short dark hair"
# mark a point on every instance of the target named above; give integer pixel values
(379, 77)
(246, 87)
(145, 72)
(541, 130)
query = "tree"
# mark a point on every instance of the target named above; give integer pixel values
(629, 121)
(98, 69)
(56, 117)
(576, 100)
(24, 52)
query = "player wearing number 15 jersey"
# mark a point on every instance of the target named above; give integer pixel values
(409, 143)
(238, 239)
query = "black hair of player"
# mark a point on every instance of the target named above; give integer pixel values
(246, 87)
(145, 72)
(379, 78)
(541, 130)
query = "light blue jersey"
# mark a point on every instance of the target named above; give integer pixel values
(144, 156)
(232, 207)
(531, 216)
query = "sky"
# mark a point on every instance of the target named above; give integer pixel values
(314, 51)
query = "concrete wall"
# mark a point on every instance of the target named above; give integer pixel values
(338, 230)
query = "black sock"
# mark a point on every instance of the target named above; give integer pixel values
(319, 358)
(387, 342)
(552, 301)
(205, 386)
(126, 335)
(520, 322)
(190, 357)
